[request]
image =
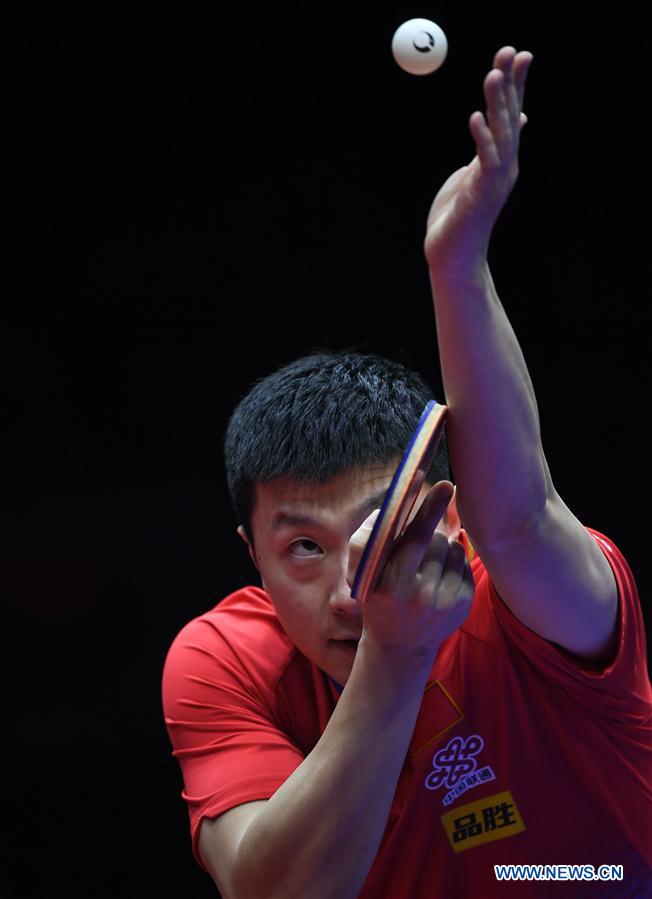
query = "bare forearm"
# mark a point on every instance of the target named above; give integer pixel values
(319, 834)
(493, 426)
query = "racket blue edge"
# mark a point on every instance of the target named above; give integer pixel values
(378, 524)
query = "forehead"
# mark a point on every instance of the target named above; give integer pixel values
(345, 496)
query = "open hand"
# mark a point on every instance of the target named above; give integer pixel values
(465, 210)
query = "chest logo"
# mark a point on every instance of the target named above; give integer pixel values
(456, 768)
(492, 818)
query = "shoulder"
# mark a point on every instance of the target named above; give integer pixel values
(241, 619)
(626, 665)
(624, 577)
(619, 565)
(239, 640)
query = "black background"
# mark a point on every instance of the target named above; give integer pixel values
(194, 198)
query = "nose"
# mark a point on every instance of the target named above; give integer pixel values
(342, 604)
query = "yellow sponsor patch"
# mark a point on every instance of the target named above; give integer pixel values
(492, 818)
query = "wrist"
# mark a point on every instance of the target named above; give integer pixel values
(397, 672)
(469, 273)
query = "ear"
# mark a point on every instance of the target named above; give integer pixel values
(242, 533)
(451, 518)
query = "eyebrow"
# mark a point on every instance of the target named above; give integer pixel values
(298, 519)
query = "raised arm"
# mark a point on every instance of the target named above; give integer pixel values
(544, 564)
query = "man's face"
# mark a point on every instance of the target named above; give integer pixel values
(301, 534)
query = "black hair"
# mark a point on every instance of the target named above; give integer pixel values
(321, 415)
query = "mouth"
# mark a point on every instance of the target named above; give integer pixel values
(347, 644)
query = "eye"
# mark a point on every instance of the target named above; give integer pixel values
(305, 549)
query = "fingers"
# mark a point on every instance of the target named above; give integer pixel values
(500, 96)
(357, 544)
(514, 68)
(485, 144)
(497, 135)
(449, 571)
(520, 69)
(419, 538)
(426, 564)
(426, 588)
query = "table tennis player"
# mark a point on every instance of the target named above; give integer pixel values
(489, 703)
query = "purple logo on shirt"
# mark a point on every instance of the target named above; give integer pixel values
(455, 765)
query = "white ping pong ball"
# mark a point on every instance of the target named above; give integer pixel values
(419, 46)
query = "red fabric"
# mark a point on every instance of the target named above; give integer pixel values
(561, 753)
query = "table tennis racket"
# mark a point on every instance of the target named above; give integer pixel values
(399, 499)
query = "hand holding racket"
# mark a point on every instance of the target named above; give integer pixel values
(400, 499)
(414, 585)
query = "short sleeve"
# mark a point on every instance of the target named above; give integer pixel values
(622, 689)
(610, 707)
(221, 722)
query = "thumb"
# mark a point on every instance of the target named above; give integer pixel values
(357, 544)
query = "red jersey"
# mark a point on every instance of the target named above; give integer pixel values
(521, 754)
